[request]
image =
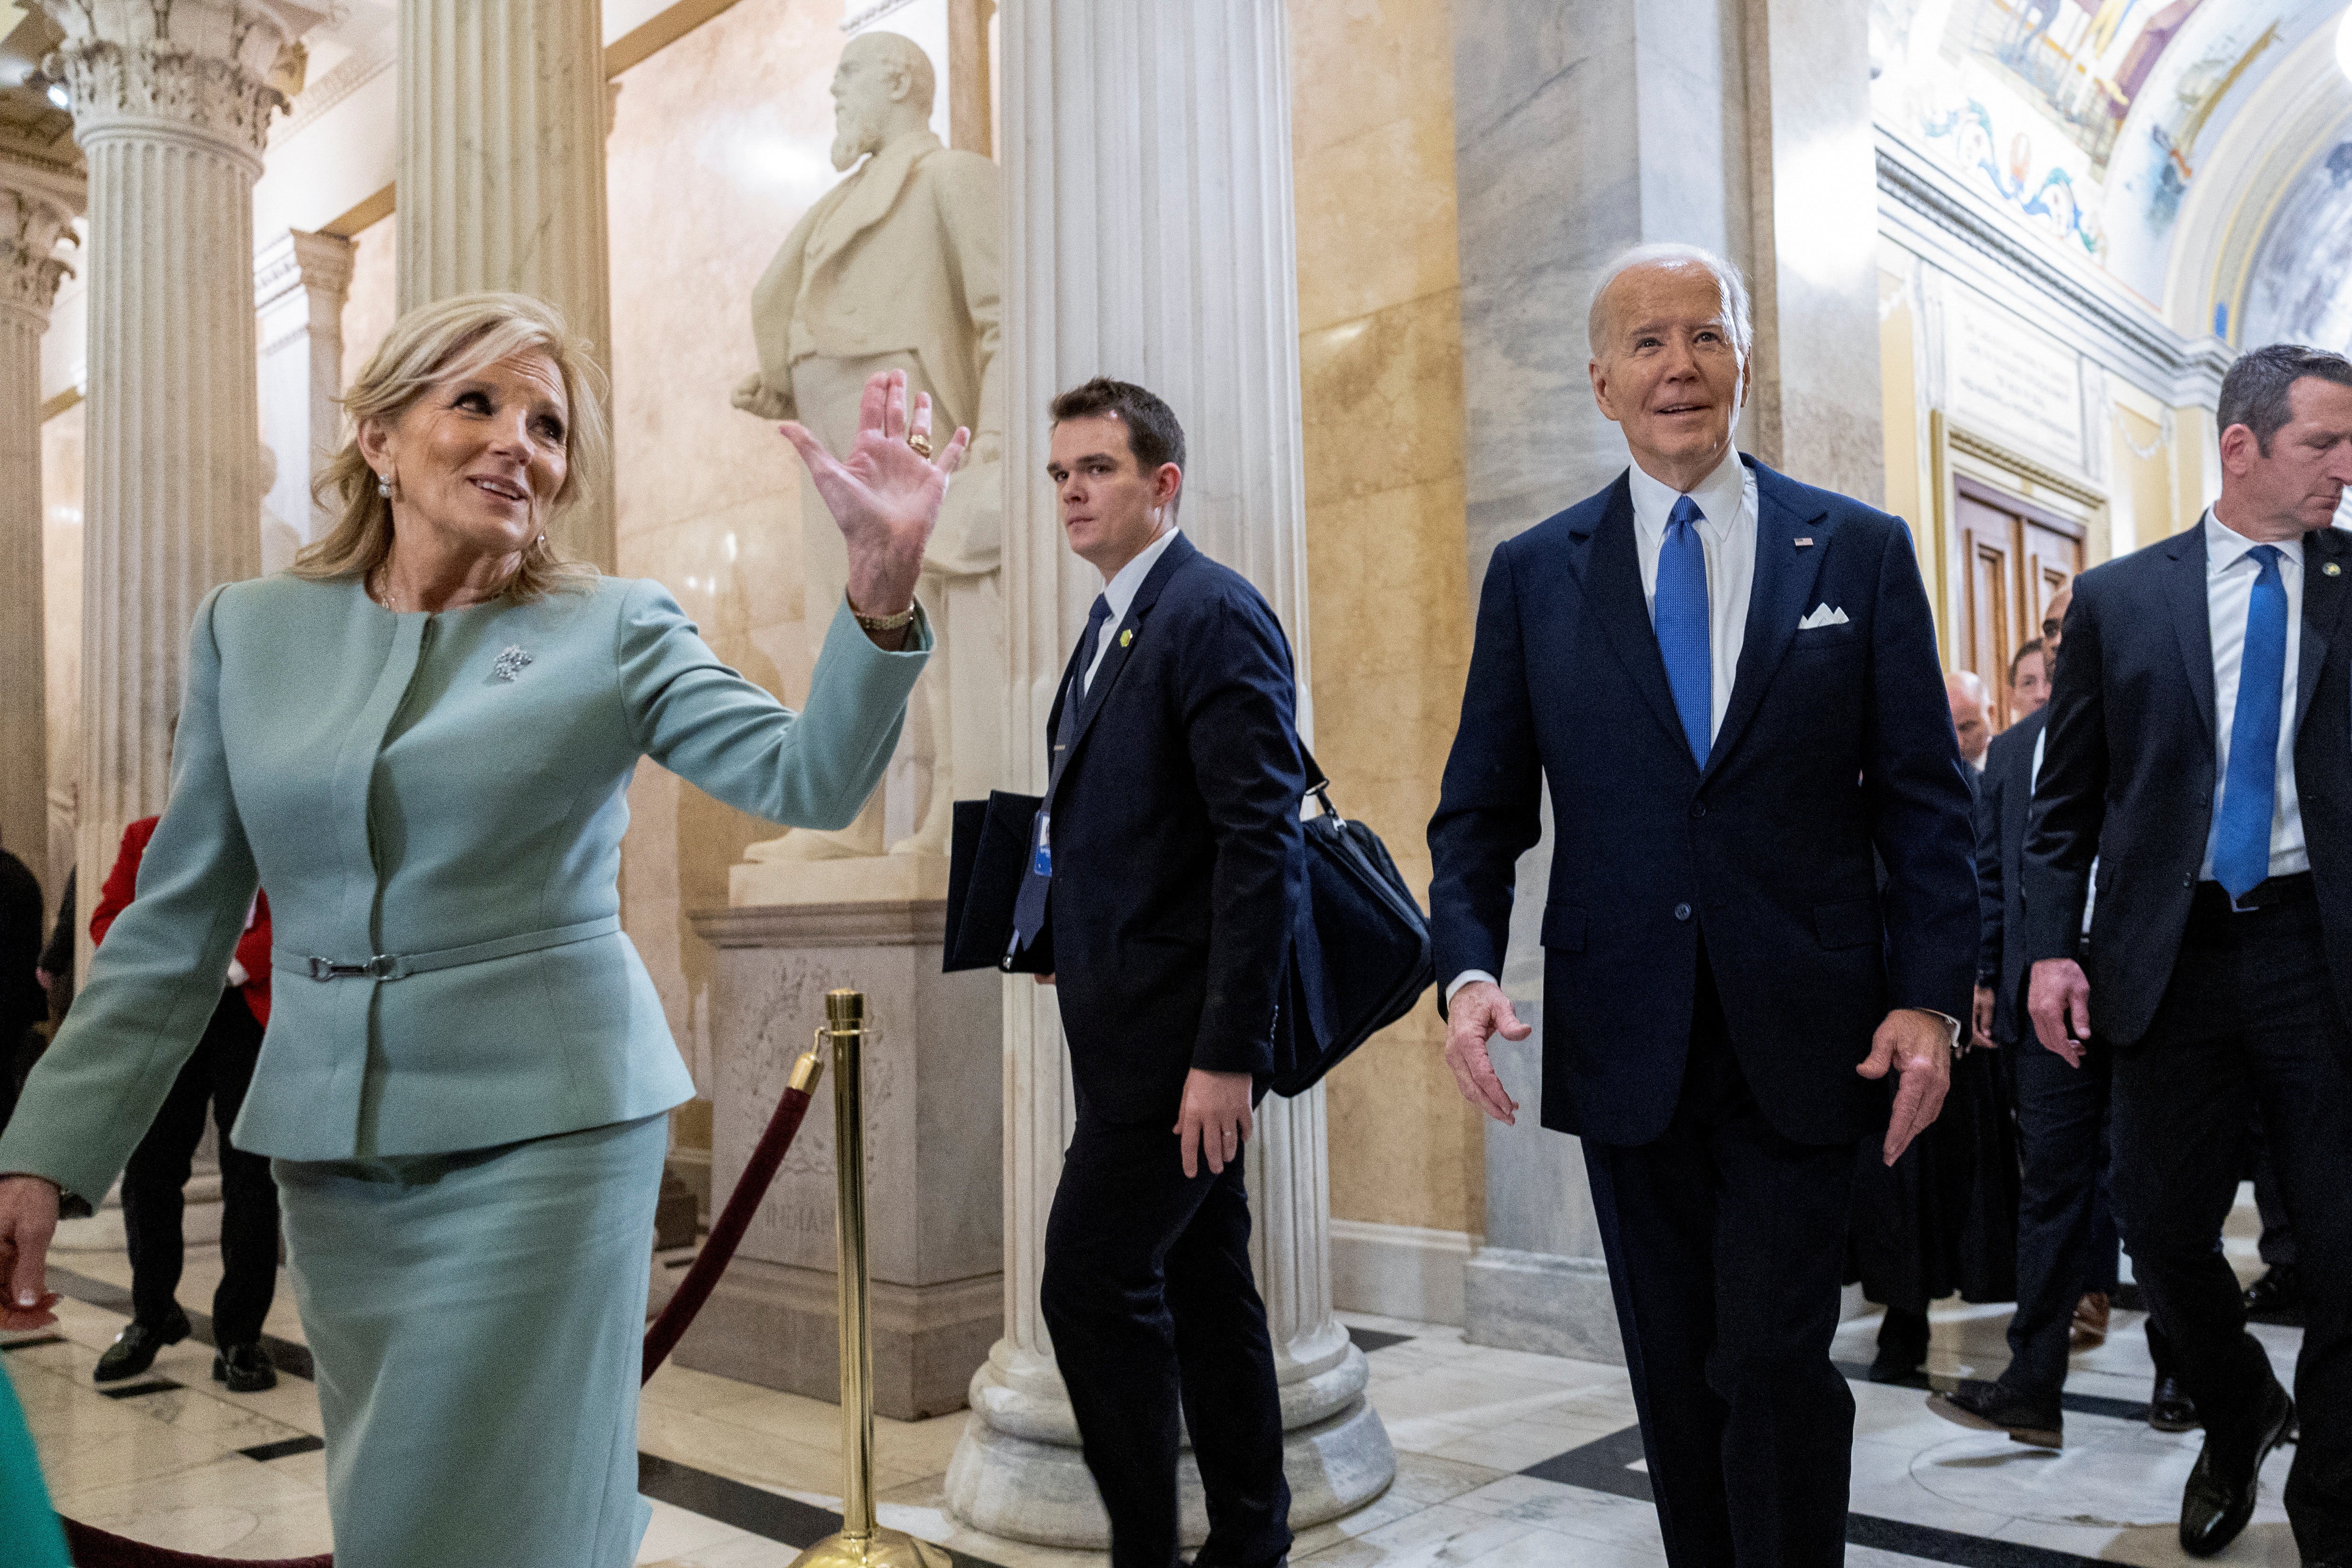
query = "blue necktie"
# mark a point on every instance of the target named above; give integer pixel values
(2241, 848)
(1029, 904)
(1680, 618)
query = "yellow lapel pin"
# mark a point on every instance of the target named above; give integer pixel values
(1128, 636)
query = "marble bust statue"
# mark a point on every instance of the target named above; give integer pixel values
(897, 267)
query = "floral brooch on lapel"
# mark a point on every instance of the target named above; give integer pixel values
(510, 662)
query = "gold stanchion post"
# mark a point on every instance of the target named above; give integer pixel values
(862, 1543)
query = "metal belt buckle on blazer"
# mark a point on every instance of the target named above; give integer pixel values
(382, 967)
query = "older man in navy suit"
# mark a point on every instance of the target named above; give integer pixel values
(1729, 681)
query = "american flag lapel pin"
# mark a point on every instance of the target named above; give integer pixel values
(1806, 543)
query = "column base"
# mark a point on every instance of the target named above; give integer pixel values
(1542, 1302)
(1018, 1471)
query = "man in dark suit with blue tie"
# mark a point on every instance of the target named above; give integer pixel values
(1168, 864)
(1730, 682)
(2200, 750)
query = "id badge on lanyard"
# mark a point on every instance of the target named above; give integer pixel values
(1041, 862)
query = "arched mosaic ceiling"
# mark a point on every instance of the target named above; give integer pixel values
(2091, 119)
(2299, 288)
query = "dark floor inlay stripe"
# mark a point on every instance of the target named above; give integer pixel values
(1951, 1546)
(753, 1510)
(1371, 1340)
(2080, 1403)
(288, 1356)
(1605, 1465)
(28, 1344)
(285, 1448)
(133, 1390)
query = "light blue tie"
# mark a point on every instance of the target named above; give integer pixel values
(2241, 848)
(1680, 618)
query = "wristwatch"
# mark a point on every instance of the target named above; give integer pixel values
(882, 623)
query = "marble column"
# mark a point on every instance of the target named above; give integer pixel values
(299, 283)
(1813, 263)
(1155, 244)
(1581, 129)
(171, 101)
(38, 198)
(502, 108)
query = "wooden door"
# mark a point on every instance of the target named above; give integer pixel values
(2018, 557)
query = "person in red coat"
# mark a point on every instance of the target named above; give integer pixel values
(152, 1183)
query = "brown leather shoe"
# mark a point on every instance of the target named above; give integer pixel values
(2090, 1323)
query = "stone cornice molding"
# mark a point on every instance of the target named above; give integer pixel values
(37, 205)
(2190, 370)
(300, 260)
(353, 74)
(197, 68)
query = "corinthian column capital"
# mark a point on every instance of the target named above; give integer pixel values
(39, 199)
(204, 67)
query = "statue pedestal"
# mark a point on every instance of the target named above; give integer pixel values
(934, 1116)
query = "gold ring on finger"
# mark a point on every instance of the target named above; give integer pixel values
(920, 440)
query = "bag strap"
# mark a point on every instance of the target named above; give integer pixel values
(1318, 783)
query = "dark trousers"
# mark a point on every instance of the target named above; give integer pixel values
(2278, 1231)
(2066, 1228)
(2248, 1020)
(1149, 1296)
(1727, 1246)
(217, 1075)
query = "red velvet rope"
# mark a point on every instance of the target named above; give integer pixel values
(95, 1548)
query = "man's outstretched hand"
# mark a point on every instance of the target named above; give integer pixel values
(1478, 1012)
(28, 1218)
(1919, 1045)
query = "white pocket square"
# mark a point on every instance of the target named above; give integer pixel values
(1822, 617)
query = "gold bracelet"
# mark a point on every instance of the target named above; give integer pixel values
(903, 619)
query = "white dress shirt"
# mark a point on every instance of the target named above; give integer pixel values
(1726, 500)
(1120, 592)
(2230, 575)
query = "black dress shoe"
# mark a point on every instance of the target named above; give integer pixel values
(1990, 1407)
(134, 1349)
(2220, 1496)
(247, 1369)
(2277, 1297)
(2170, 1408)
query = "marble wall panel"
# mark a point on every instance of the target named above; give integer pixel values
(719, 145)
(370, 305)
(1380, 363)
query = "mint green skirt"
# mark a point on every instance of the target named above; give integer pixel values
(477, 1323)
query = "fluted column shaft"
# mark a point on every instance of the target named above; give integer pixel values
(171, 103)
(1149, 235)
(301, 280)
(37, 201)
(503, 110)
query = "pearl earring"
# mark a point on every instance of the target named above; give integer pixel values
(384, 486)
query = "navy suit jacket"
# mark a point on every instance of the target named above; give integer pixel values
(1179, 871)
(1838, 740)
(2004, 797)
(2127, 774)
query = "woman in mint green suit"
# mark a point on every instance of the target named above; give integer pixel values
(420, 740)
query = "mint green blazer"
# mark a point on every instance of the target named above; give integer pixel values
(436, 805)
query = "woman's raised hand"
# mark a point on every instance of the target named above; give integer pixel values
(883, 496)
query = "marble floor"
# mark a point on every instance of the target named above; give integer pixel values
(1504, 1458)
